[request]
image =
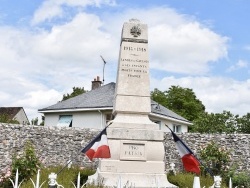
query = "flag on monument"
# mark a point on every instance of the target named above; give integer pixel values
(98, 147)
(190, 162)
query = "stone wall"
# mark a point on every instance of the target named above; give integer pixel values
(237, 144)
(54, 146)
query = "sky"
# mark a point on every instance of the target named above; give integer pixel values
(48, 47)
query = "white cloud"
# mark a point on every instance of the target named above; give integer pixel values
(177, 43)
(241, 64)
(216, 93)
(41, 65)
(247, 47)
(51, 9)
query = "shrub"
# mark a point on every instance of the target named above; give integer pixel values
(4, 180)
(27, 164)
(216, 159)
(241, 179)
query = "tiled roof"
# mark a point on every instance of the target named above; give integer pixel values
(98, 98)
(10, 111)
(103, 97)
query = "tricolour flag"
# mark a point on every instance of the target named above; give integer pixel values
(98, 147)
(190, 162)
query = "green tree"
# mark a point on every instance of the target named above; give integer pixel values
(4, 118)
(43, 119)
(182, 101)
(76, 91)
(34, 121)
(244, 124)
(159, 96)
(224, 122)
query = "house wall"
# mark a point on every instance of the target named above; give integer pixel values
(21, 117)
(97, 119)
(164, 122)
(55, 145)
(91, 119)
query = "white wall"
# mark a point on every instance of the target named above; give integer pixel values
(91, 119)
(97, 120)
(21, 117)
(163, 127)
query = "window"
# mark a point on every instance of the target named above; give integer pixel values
(108, 117)
(177, 128)
(65, 121)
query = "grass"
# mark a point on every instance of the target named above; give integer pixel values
(64, 178)
(182, 180)
(185, 180)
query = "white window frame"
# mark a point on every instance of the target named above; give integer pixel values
(65, 121)
(177, 128)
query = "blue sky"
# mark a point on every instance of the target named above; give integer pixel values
(48, 47)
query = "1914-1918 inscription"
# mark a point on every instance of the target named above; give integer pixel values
(134, 60)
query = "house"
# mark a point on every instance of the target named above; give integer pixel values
(15, 113)
(93, 109)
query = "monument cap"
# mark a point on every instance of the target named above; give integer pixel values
(135, 31)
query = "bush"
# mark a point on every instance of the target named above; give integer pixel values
(216, 159)
(4, 180)
(27, 164)
(241, 179)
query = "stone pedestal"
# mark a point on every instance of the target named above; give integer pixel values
(136, 143)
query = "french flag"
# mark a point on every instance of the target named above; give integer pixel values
(190, 162)
(98, 147)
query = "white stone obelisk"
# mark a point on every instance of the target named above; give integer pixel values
(136, 143)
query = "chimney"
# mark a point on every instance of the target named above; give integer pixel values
(96, 83)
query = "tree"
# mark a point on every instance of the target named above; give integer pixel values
(76, 91)
(182, 101)
(159, 96)
(43, 119)
(4, 118)
(34, 121)
(224, 122)
(244, 124)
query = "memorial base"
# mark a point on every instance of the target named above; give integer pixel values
(130, 180)
(137, 160)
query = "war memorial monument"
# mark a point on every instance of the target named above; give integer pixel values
(136, 143)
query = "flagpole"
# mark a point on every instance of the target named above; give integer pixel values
(207, 169)
(82, 149)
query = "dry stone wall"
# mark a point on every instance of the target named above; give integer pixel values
(55, 146)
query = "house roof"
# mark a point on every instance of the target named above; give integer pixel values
(103, 97)
(10, 111)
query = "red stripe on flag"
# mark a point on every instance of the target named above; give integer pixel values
(98, 147)
(90, 153)
(190, 163)
(102, 152)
